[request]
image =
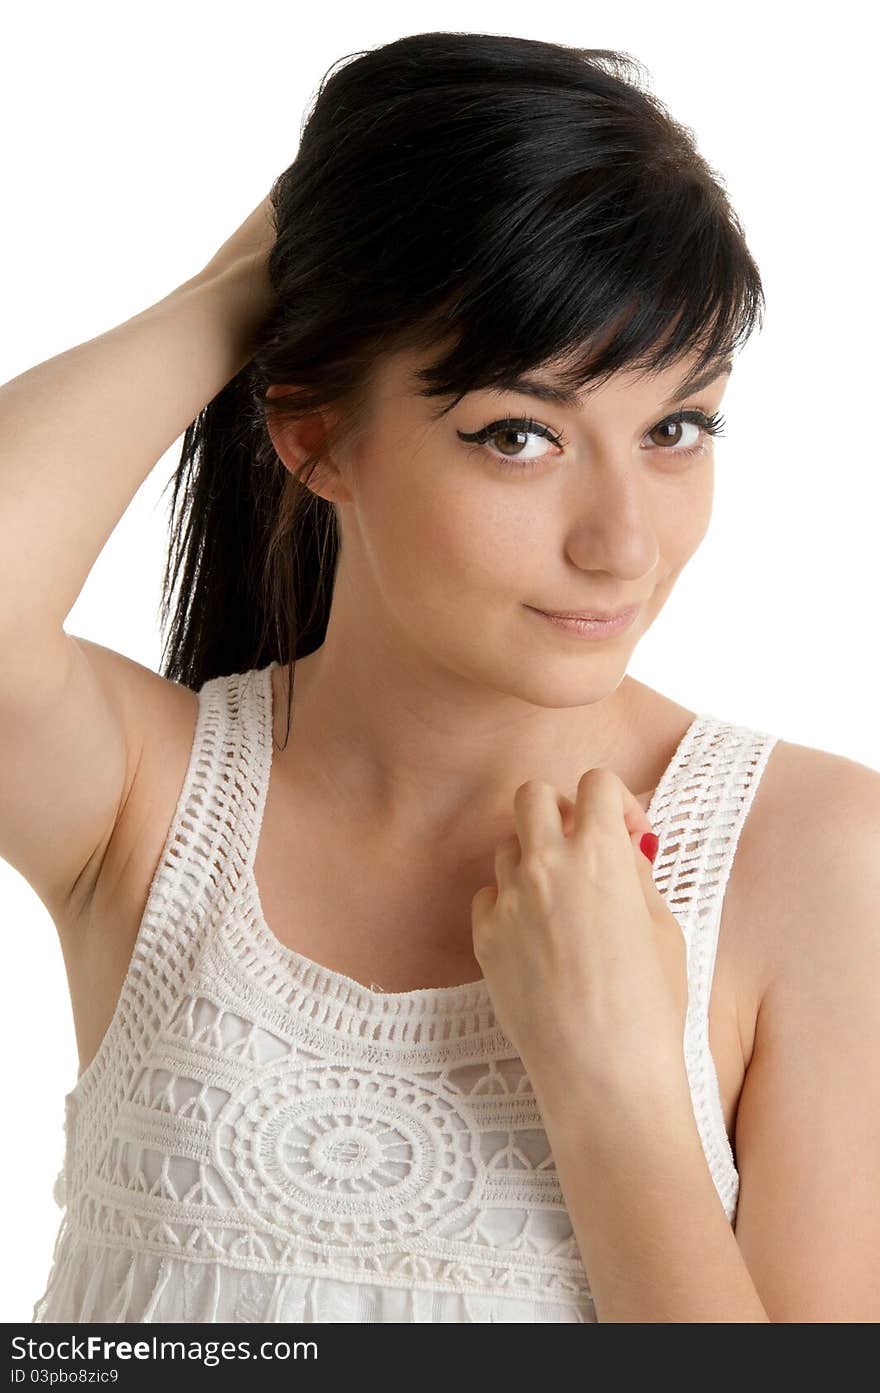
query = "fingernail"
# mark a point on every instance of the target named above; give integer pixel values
(649, 845)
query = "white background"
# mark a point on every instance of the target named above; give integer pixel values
(136, 138)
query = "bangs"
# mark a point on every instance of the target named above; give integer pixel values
(625, 267)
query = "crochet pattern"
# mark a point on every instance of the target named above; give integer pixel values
(262, 1139)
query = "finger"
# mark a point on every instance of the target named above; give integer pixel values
(483, 902)
(507, 854)
(645, 868)
(566, 808)
(604, 799)
(537, 814)
(639, 845)
(635, 816)
(599, 801)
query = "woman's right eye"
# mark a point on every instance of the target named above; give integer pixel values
(510, 430)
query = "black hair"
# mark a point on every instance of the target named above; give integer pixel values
(514, 201)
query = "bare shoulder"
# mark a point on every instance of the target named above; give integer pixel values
(816, 814)
(157, 714)
(804, 774)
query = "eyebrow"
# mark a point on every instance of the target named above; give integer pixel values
(547, 391)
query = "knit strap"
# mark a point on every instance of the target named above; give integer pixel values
(194, 880)
(702, 810)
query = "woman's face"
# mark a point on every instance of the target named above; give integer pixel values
(449, 546)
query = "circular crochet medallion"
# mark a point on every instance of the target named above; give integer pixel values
(324, 1147)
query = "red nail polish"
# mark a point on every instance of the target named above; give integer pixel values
(649, 845)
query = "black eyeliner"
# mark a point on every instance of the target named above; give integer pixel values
(712, 425)
(523, 423)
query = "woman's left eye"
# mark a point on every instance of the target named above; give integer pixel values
(525, 426)
(514, 427)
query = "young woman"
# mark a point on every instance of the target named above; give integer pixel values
(383, 1011)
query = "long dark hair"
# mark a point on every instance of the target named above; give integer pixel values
(514, 199)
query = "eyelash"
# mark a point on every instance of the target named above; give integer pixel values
(711, 426)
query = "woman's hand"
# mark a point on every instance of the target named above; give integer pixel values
(235, 285)
(585, 962)
(251, 242)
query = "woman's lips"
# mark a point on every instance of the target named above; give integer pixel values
(591, 628)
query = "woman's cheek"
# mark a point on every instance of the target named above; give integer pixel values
(481, 543)
(442, 536)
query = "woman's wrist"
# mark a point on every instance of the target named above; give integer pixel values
(237, 275)
(243, 299)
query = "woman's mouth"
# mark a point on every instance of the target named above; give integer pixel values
(590, 628)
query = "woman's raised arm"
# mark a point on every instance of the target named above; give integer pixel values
(80, 432)
(78, 436)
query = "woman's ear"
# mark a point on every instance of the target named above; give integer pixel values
(295, 439)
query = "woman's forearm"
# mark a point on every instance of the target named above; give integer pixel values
(80, 433)
(653, 1236)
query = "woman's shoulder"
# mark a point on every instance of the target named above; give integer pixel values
(806, 797)
(814, 819)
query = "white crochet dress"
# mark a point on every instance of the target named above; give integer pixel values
(262, 1139)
